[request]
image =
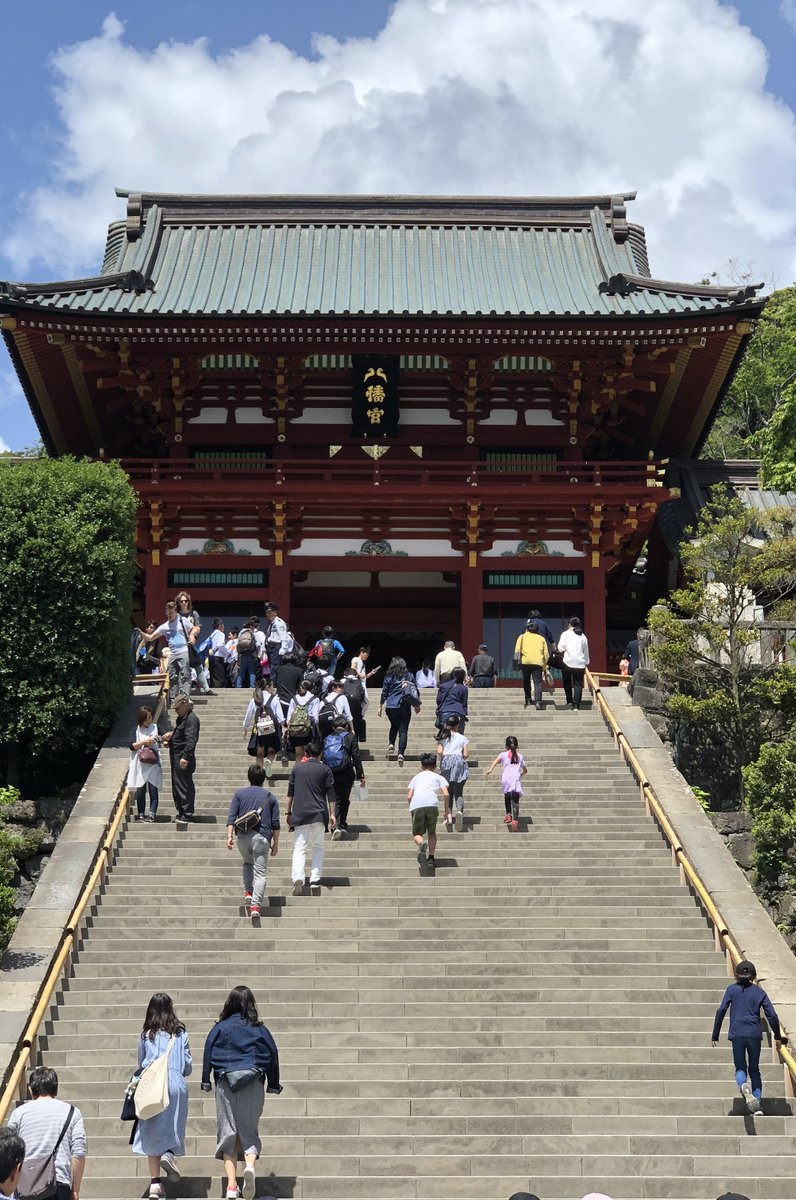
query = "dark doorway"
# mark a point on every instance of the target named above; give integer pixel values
(412, 645)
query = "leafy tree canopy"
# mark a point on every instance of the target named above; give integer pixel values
(66, 569)
(705, 648)
(758, 414)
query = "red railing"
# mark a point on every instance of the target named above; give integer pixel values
(459, 475)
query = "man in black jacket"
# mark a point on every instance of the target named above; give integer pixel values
(483, 670)
(309, 813)
(181, 742)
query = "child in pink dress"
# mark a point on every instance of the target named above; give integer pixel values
(513, 770)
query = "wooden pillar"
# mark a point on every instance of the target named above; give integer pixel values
(156, 591)
(472, 609)
(594, 612)
(279, 587)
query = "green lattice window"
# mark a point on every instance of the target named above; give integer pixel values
(218, 579)
(521, 364)
(227, 459)
(229, 362)
(505, 461)
(534, 579)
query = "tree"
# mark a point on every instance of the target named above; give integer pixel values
(705, 646)
(760, 405)
(66, 571)
(770, 797)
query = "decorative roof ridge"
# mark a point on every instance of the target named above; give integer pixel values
(623, 284)
(125, 281)
(373, 209)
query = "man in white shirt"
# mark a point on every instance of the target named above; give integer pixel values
(425, 789)
(336, 705)
(276, 639)
(446, 663)
(178, 632)
(39, 1122)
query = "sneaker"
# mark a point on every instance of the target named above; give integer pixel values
(248, 1183)
(431, 863)
(138, 817)
(284, 758)
(400, 760)
(182, 823)
(315, 890)
(209, 693)
(391, 749)
(233, 1194)
(458, 821)
(507, 819)
(157, 1191)
(149, 817)
(337, 833)
(515, 826)
(449, 821)
(527, 704)
(168, 1164)
(421, 852)
(752, 1102)
(298, 887)
(538, 708)
(269, 768)
(247, 898)
(254, 913)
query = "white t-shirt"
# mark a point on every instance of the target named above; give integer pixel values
(454, 744)
(426, 787)
(575, 649)
(425, 679)
(175, 632)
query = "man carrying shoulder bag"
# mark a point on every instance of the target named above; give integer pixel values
(50, 1129)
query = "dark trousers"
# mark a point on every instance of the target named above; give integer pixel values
(484, 681)
(183, 788)
(274, 659)
(512, 802)
(573, 684)
(399, 719)
(532, 683)
(248, 670)
(64, 1192)
(218, 672)
(343, 783)
(746, 1058)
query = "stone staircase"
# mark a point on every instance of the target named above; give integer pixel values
(537, 1016)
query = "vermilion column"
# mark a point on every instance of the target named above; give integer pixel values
(279, 586)
(594, 615)
(472, 602)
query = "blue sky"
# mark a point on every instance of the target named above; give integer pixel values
(674, 97)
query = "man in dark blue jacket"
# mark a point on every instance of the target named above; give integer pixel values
(745, 1000)
(256, 843)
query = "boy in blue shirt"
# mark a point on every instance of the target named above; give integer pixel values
(745, 999)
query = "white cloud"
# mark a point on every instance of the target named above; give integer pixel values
(453, 96)
(787, 9)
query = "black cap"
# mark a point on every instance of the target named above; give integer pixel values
(746, 970)
(483, 646)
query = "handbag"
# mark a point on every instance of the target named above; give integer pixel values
(37, 1179)
(555, 660)
(147, 755)
(247, 822)
(152, 1093)
(128, 1103)
(235, 1080)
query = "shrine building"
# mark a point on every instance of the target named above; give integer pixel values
(411, 418)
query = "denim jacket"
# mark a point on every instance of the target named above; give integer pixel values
(234, 1045)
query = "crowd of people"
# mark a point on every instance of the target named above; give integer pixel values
(299, 707)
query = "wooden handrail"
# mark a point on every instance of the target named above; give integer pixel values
(724, 939)
(28, 1038)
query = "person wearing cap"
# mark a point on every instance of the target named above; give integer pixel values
(483, 670)
(181, 741)
(745, 999)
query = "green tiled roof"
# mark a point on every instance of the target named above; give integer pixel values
(349, 256)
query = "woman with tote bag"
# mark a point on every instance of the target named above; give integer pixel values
(164, 1058)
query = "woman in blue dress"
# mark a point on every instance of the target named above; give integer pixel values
(162, 1137)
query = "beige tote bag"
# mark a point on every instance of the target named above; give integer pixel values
(152, 1093)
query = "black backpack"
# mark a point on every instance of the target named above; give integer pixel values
(314, 680)
(326, 718)
(326, 651)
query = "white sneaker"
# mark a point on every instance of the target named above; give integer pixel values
(458, 821)
(269, 768)
(232, 1194)
(400, 760)
(752, 1103)
(169, 1164)
(337, 833)
(157, 1191)
(248, 1183)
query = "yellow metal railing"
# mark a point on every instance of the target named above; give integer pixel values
(27, 1043)
(725, 942)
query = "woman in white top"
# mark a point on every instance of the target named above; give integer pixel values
(575, 648)
(262, 726)
(452, 750)
(143, 775)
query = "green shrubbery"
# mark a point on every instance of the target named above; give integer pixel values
(770, 797)
(66, 569)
